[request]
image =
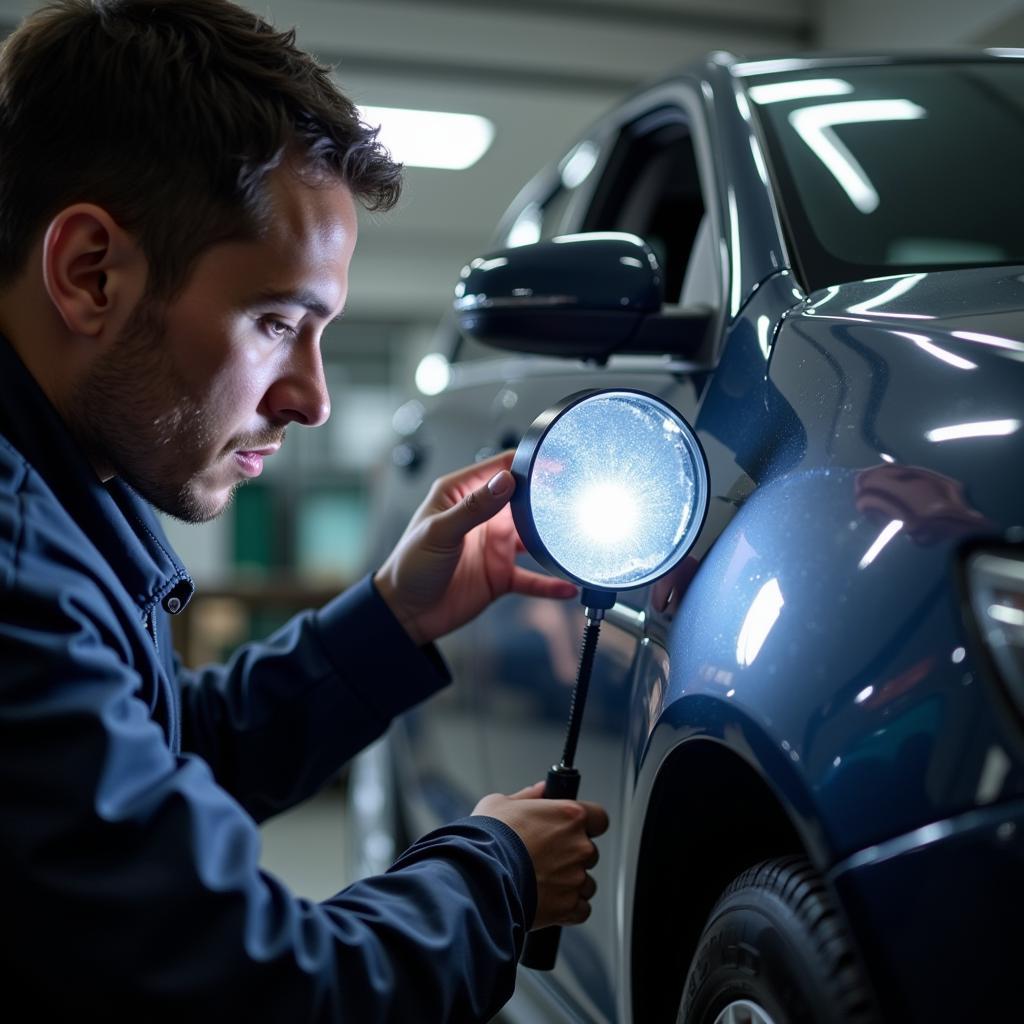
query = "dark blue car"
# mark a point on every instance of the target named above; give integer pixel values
(813, 758)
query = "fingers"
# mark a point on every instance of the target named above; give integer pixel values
(479, 505)
(596, 818)
(579, 910)
(469, 478)
(533, 584)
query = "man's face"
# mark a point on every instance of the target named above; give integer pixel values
(194, 393)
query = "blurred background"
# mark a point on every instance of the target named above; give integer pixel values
(538, 72)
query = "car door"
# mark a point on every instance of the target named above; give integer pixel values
(648, 183)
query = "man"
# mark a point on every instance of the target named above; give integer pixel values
(178, 189)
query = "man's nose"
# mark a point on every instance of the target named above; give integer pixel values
(299, 394)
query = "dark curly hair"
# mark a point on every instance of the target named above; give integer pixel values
(169, 114)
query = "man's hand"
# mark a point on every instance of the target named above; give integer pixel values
(458, 554)
(557, 834)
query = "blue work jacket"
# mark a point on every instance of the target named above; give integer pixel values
(130, 788)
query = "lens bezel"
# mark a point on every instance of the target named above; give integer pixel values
(525, 460)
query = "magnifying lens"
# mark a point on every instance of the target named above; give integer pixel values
(611, 493)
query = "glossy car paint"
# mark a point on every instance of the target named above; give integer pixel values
(818, 687)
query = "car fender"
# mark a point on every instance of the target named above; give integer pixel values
(822, 647)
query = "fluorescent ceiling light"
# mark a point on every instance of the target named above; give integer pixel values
(431, 138)
(988, 428)
(802, 89)
(815, 126)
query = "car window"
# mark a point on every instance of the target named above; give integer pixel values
(548, 210)
(894, 169)
(651, 188)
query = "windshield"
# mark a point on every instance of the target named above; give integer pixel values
(892, 169)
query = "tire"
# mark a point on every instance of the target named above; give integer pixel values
(775, 950)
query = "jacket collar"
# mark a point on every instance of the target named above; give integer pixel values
(121, 525)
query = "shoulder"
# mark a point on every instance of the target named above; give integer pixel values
(37, 534)
(14, 470)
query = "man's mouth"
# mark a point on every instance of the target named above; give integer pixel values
(250, 461)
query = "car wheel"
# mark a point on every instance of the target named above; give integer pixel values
(776, 951)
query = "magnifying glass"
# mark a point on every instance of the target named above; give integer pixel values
(611, 493)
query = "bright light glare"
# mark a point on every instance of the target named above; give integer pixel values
(526, 228)
(1010, 344)
(735, 256)
(876, 306)
(881, 540)
(760, 618)
(803, 89)
(922, 342)
(433, 374)
(607, 513)
(815, 126)
(987, 428)
(578, 164)
(431, 138)
(604, 236)
(1005, 613)
(768, 67)
(763, 341)
(617, 490)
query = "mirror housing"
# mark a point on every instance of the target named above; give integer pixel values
(585, 296)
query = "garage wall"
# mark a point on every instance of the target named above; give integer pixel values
(919, 24)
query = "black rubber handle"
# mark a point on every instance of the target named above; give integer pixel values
(541, 948)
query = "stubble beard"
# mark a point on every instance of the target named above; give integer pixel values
(135, 414)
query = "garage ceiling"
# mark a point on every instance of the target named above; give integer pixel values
(541, 70)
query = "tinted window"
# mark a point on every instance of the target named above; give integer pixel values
(886, 170)
(651, 188)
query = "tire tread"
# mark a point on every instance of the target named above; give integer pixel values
(797, 884)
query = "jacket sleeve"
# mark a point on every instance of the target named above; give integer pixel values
(132, 879)
(280, 718)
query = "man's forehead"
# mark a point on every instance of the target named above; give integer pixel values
(305, 207)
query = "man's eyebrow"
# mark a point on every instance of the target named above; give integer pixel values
(302, 297)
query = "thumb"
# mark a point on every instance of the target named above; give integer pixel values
(475, 508)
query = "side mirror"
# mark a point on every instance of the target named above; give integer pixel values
(585, 296)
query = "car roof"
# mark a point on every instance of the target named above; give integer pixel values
(744, 66)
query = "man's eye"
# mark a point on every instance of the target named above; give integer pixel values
(277, 328)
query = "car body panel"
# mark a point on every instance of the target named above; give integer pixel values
(818, 669)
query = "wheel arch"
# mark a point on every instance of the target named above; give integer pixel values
(689, 851)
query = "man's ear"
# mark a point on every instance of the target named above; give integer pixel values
(93, 270)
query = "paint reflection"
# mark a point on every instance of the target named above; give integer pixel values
(929, 506)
